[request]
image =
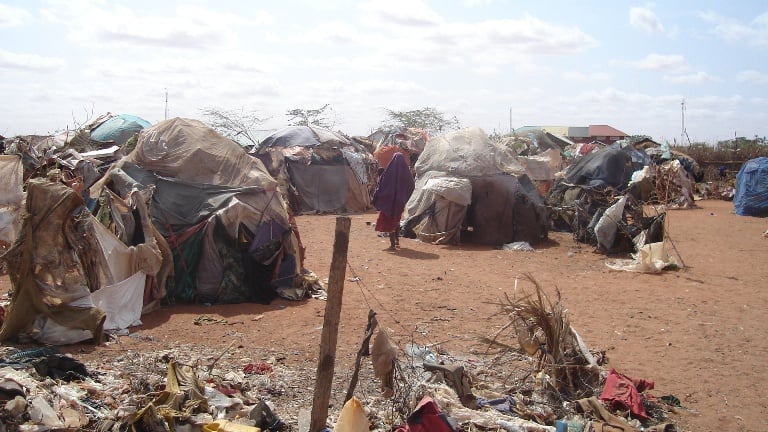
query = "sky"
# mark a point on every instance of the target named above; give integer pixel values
(654, 68)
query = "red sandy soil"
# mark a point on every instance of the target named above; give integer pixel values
(699, 333)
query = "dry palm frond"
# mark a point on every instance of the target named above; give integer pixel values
(542, 329)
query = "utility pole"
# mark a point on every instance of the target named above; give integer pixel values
(166, 103)
(510, 120)
(682, 131)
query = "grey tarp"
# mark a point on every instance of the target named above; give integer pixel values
(326, 171)
(438, 208)
(503, 207)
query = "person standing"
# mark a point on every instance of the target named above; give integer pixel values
(394, 187)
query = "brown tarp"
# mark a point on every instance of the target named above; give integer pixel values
(45, 280)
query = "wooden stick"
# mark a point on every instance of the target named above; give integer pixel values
(363, 351)
(327, 358)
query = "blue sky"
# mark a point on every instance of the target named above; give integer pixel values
(626, 64)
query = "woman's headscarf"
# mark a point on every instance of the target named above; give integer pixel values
(394, 188)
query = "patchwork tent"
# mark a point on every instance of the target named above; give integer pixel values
(751, 198)
(71, 277)
(227, 226)
(319, 171)
(229, 237)
(469, 189)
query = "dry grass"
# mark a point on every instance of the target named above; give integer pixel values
(541, 327)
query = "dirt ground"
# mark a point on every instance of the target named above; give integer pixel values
(699, 333)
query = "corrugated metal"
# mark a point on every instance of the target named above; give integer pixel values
(524, 130)
(578, 132)
(605, 130)
(556, 130)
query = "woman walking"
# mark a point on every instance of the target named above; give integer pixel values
(392, 192)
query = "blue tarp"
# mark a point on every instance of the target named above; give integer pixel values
(751, 198)
(119, 128)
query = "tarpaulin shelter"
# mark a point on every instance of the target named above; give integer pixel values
(119, 129)
(751, 198)
(219, 209)
(319, 171)
(71, 278)
(470, 189)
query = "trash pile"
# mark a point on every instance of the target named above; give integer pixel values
(537, 374)
(615, 198)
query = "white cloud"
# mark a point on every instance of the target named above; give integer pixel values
(189, 27)
(645, 20)
(696, 78)
(753, 77)
(12, 16)
(754, 33)
(477, 2)
(408, 13)
(660, 62)
(31, 62)
(586, 77)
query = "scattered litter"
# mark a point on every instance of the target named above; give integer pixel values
(518, 246)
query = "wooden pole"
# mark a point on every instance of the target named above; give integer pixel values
(326, 360)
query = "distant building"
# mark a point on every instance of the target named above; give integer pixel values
(579, 134)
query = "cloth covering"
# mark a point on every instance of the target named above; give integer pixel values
(427, 417)
(394, 188)
(11, 196)
(46, 281)
(621, 391)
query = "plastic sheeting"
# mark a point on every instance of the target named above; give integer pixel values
(543, 166)
(11, 196)
(606, 167)
(751, 198)
(606, 227)
(651, 258)
(119, 128)
(303, 136)
(189, 150)
(437, 208)
(122, 302)
(467, 152)
(46, 279)
(327, 172)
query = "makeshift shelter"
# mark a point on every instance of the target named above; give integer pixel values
(598, 203)
(228, 229)
(472, 190)
(71, 278)
(11, 197)
(101, 131)
(319, 171)
(751, 198)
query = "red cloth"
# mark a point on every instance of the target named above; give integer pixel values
(387, 224)
(621, 391)
(427, 418)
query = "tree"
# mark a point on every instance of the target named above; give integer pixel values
(427, 118)
(238, 125)
(312, 117)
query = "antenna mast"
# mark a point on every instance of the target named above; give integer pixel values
(166, 103)
(682, 130)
